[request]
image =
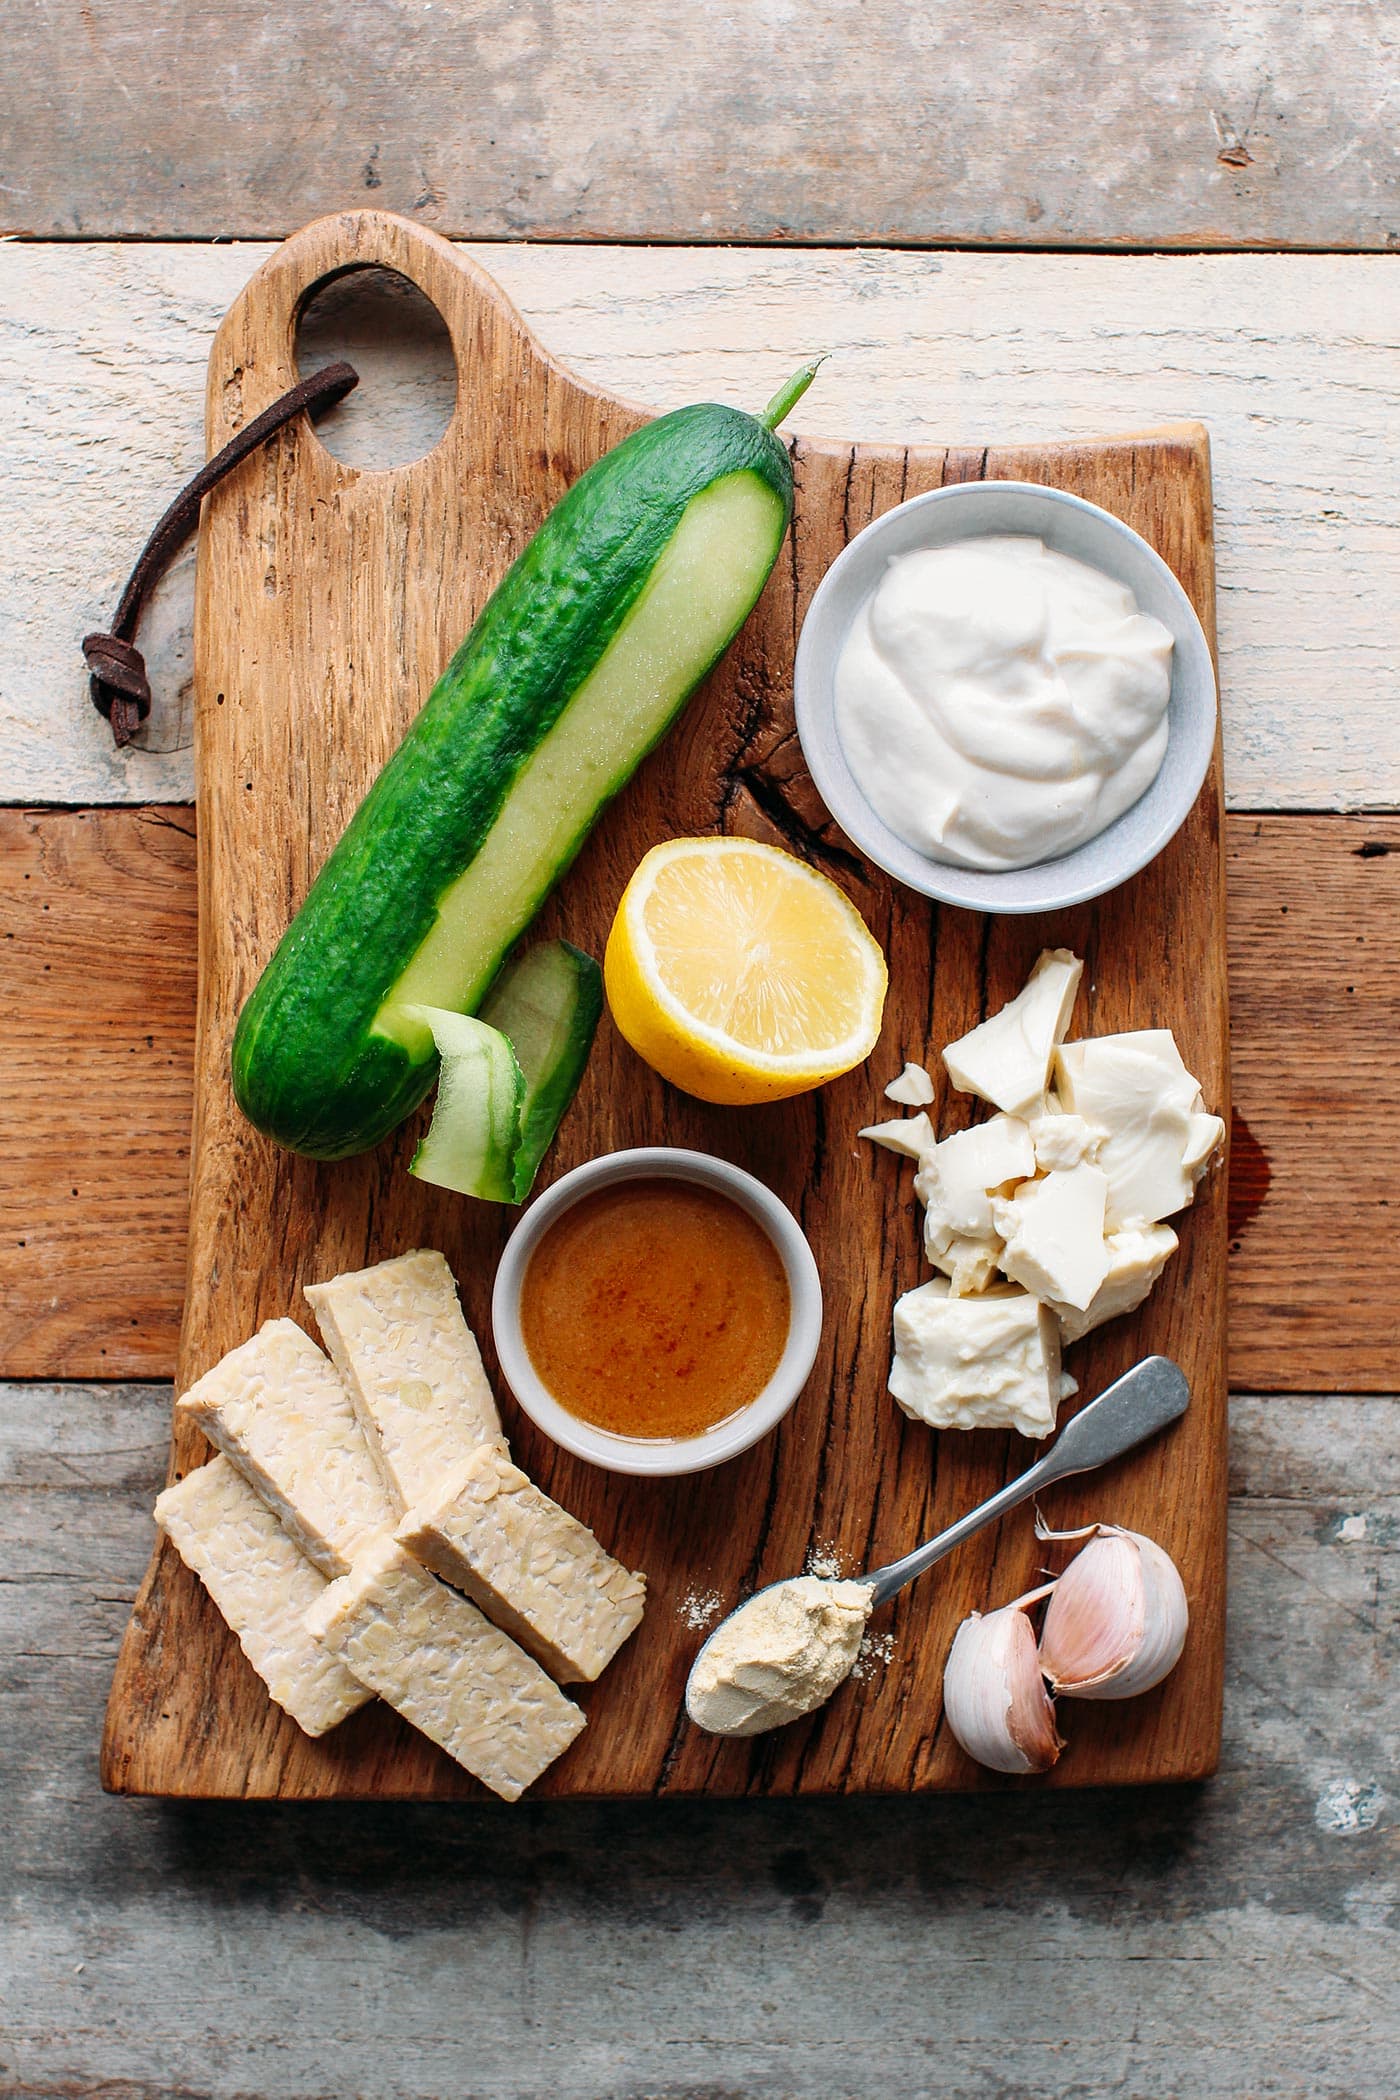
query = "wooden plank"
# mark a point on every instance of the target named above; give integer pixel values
(1265, 124)
(401, 561)
(1212, 1943)
(1292, 361)
(1314, 908)
(98, 914)
(1315, 948)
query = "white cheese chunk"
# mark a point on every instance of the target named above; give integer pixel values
(991, 1362)
(1007, 1059)
(910, 1135)
(1136, 1258)
(445, 1668)
(913, 1088)
(957, 1178)
(1054, 1235)
(969, 1265)
(412, 1367)
(276, 1408)
(1136, 1090)
(532, 1568)
(264, 1586)
(1062, 1140)
(1205, 1135)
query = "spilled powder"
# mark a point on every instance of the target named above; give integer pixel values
(700, 1608)
(875, 1653)
(823, 1561)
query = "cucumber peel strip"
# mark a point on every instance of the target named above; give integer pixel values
(507, 1075)
(548, 1003)
(475, 1131)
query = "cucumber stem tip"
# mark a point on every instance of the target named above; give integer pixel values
(791, 392)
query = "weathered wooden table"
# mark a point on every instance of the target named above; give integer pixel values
(1233, 1939)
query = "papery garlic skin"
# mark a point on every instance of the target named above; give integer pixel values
(1117, 1620)
(994, 1696)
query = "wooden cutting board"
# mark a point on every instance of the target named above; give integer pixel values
(329, 598)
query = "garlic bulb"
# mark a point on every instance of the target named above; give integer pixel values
(994, 1695)
(1116, 1623)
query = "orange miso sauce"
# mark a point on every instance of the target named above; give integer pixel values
(655, 1308)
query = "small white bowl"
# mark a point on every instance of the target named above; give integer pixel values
(969, 510)
(660, 1455)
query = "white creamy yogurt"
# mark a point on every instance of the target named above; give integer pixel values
(999, 703)
(778, 1656)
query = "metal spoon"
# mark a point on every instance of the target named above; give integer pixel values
(1144, 1400)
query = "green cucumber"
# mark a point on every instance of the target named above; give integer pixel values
(626, 597)
(547, 1003)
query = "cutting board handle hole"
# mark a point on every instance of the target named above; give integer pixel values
(398, 342)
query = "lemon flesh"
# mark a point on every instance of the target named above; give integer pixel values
(740, 974)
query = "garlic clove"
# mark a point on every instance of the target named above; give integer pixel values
(994, 1696)
(1116, 1623)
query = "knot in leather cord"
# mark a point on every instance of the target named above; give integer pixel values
(119, 686)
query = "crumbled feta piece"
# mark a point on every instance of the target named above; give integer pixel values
(913, 1088)
(1007, 1058)
(1136, 1090)
(1136, 1258)
(410, 1363)
(968, 1264)
(1053, 1233)
(438, 1662)
(957, 1178)
(911, 1135)
(1062, 1193)
(1060, 1139)
(990, 1362)
(532, 1568)
(1205, 1135)
(276, 1407)
(264, 1585)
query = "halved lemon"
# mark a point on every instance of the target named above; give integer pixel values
(740, 973)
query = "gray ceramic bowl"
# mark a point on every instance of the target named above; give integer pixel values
(968, 510)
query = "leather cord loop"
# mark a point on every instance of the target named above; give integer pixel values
(119, 686)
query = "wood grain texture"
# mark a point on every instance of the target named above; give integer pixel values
(1292, 361)
(1316, 954)
(329, 599)
(1314, 925)
(1220, 1942)
(97, 931)
(1265, 123)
